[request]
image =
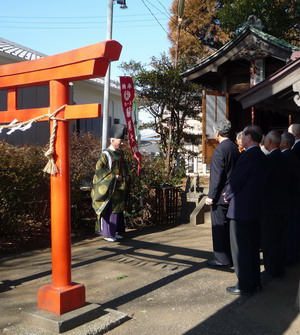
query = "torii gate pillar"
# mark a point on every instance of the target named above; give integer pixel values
(61, 296)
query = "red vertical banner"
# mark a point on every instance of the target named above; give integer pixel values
(127, 93)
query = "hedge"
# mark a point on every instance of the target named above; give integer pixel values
(24, 191)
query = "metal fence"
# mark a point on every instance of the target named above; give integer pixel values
(166, 205)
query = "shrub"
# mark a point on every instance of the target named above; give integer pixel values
(141, 208)
(24, 191)
(85, 150)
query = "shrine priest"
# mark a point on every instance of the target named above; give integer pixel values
(110, 187)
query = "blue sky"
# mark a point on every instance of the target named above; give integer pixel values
(57, 26)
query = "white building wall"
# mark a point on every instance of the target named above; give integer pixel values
(90, 92)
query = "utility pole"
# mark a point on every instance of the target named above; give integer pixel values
(109, 26)
(107, 79)
(180, 10)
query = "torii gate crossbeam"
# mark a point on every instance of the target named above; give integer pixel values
(61, 295)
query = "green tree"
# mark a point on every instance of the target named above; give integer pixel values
(208, 25)
(201, 32)
(163, 93)
(280, 18)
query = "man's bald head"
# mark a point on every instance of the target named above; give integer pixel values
(295, 130)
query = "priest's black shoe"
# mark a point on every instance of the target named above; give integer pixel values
(236, 291)
(213, 262)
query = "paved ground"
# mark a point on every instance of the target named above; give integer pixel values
(160, 279)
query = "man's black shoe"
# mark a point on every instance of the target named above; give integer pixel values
(266, 276)
(213, 262)
(236, 291)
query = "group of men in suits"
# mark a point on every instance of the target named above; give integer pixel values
(254, 201)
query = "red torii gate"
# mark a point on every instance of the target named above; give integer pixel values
(89, 62)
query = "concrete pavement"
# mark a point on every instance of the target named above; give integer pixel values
(159, 278)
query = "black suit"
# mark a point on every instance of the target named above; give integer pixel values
(245, 192)
(296, 149)
(222, 165)
(276, 209)
(293, 229)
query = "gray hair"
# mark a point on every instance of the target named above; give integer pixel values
(239, 135)
(274, 136)
(288, 137)
(223, 127)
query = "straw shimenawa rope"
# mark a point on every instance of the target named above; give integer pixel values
(50, 167)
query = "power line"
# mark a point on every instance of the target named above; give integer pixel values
(64, 23)
(154, 15)
(69, 28)
(167, 15)
(164, 9)
(69, 17)
(176, 24)
(157, 20)
(172, 20)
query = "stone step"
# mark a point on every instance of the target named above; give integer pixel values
(207, 218)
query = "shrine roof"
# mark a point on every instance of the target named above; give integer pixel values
(275, 40)
(18, 51)
(242, 46)
(101, 81)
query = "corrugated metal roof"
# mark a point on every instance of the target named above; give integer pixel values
(101, 81)
(19, 51)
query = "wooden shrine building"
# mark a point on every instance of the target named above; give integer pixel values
(250, 58)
